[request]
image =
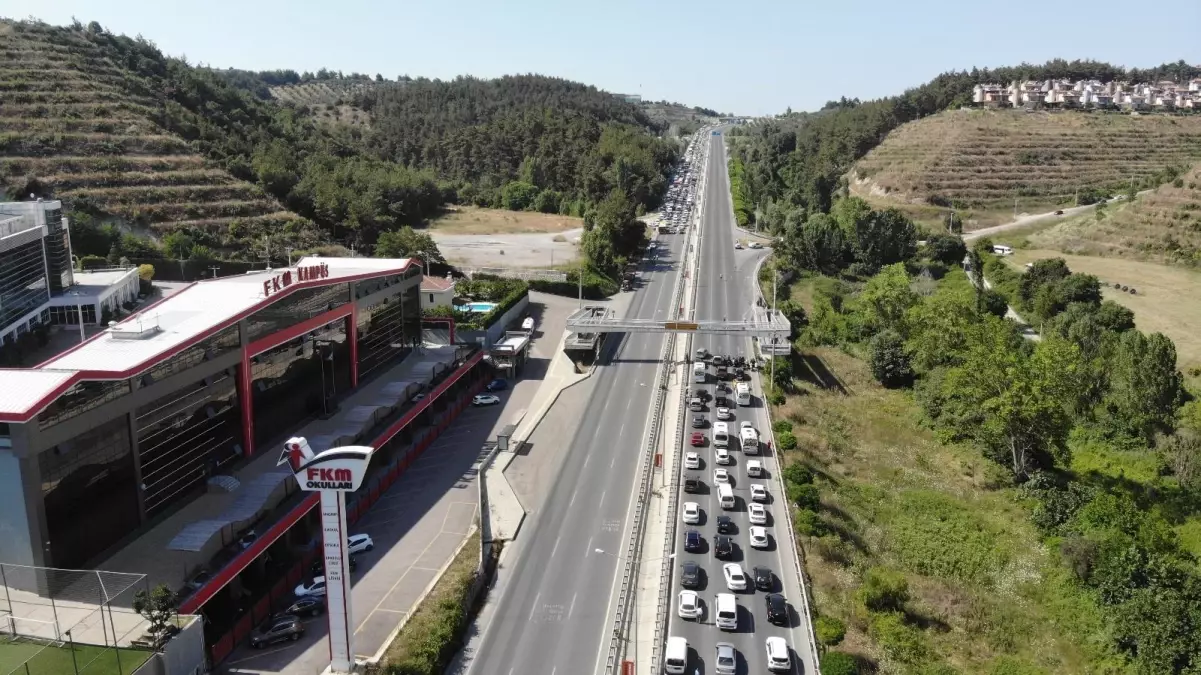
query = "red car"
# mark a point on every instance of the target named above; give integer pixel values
(698, 439)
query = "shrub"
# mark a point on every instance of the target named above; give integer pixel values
(899, 640)
(807, 523)
(829, 631)
(884, 590)
(802, 496)
(831, 549)
(781, 426)
(889, 362)
(786, 440)
(92, 262)
(797, 474)
(776, 397)
(838, 663)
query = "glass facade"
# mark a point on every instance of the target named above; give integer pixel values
(23, 286)
(299, 379)
(388, 331)
(80, 398)
(187, 436)
(296, 308)
(90, 493)
(223, 342)
(58, 251)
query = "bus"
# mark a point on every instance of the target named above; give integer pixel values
(750, 440)
(700, 374)
(743, 392)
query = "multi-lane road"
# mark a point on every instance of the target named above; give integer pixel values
(726, 291)
(554, 613)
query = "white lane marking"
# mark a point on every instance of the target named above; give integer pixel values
(534, 607)
(589, 549)
(556, 548)
(572, 502)
(602, 499)
(572, 607)
(612, 461)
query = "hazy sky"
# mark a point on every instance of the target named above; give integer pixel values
(748, 57)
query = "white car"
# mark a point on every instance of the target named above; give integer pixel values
(689, 605)
(315, 588)
(692, 460)
(359, 543)
(738, 245)
(723, 413)
(485, 399)
(746, 425)
(778, 660)
(758, 514)
(725, 659)
(722, 456)
(692, 513)
(754, 468)
(721, 476)
(735, 578)
(759, 536)
(755, 244)
(758, 492)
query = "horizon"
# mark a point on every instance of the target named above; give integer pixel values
(750, 73)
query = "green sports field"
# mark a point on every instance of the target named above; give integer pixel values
(34, 658)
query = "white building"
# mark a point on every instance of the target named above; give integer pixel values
(437, 292)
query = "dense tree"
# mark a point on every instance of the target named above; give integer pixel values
(883, 238)
(829, 631)
(889, 362)
(884, 300)
(610, 233)
(1041, 273)
(818, 244)
(946, 248)
(408, 243)
(519, 195)
(1145, 388)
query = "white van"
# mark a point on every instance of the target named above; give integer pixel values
(725, 496)
(727, 611)
(754, 468)
(721, 435)
(749, 440)
(700, 374)
(675, 657)
(742, 393)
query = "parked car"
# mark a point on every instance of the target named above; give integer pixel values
(359, 543)
(316, 586)
(498, 384)
(277, 630)
(485, 399)
(318, 568)
(308, 606)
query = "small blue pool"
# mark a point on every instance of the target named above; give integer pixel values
(476, 307)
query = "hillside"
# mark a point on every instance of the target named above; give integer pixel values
(78, 127)
(1163, 225)
(983, 159)
(330, 100)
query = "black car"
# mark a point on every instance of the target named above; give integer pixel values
(690, 575)
(692, 484)
(777, 609)
(723, 402)
(692, 541)
(718, 360)
(723, 546)
(701, 393)
(763, 578)
(318, 568)
(698, 422)
(725, 525)
(306, 606)
(740, 374)
(277, 630)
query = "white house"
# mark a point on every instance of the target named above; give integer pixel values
(437, 292)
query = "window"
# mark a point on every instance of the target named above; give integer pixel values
(300, 306)
(23, 285)
(80, 398)
(223, 342)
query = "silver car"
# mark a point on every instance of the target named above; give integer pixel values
(726, 659)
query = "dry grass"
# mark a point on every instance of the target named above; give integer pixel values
(1168, 299)
(981, 160)
(474, 220)
(986, 594)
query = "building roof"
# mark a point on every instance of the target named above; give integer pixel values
(192, 314)
(436, 284)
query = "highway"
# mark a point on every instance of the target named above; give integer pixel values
(554, 613)
(726, 291)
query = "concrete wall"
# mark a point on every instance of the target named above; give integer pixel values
(182, 655)
(486, 338)
(15, 544)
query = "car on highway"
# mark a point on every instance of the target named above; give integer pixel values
(725, 659)
(777, 609)
(735, 577)
(723, 402)
(724, 525)
(702, 354)
(722, 456)
(758, 492)
(717, 360)
(359, 543)
(723, 414)
(692, 541)
(723, 546)
(485, 399)
(692, 513)
(754, 468)
(699, 422)
(690, 575)
(759, 537)
(696, 404)
(697, 440)
(701, 393)
(692, 460)
(312, 605)
(721, 476)
(746, 425)
(499, 384)
(758, 514)
(689, 606)
(763, 578)
(277, 630)
(316, 586)
(755, 244)
(778, 660)
(692, 483)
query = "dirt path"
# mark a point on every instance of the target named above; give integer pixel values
(543, 250)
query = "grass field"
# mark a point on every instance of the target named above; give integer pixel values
(474, 220)
(981, 160)
(986, 595)
(88, 659)
(1168, 299)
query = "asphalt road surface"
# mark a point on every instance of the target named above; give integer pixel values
(726, 291)
(553, 616)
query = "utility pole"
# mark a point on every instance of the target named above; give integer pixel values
(267, 249)
(214, 270)
(289, 250)
(580, 276)
(1015, 208)
(775, 279)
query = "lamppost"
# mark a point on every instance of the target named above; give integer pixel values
(634, 595)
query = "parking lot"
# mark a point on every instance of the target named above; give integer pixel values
(418, 525)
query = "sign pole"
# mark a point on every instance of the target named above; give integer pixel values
(337, 581)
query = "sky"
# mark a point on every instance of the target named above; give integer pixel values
(753, 57)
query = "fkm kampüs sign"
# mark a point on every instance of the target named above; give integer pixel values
(332, 473)
(307, 273)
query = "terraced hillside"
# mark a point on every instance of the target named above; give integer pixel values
(331, 101)
(76, 126)
(985, 159)
(1163, 225)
